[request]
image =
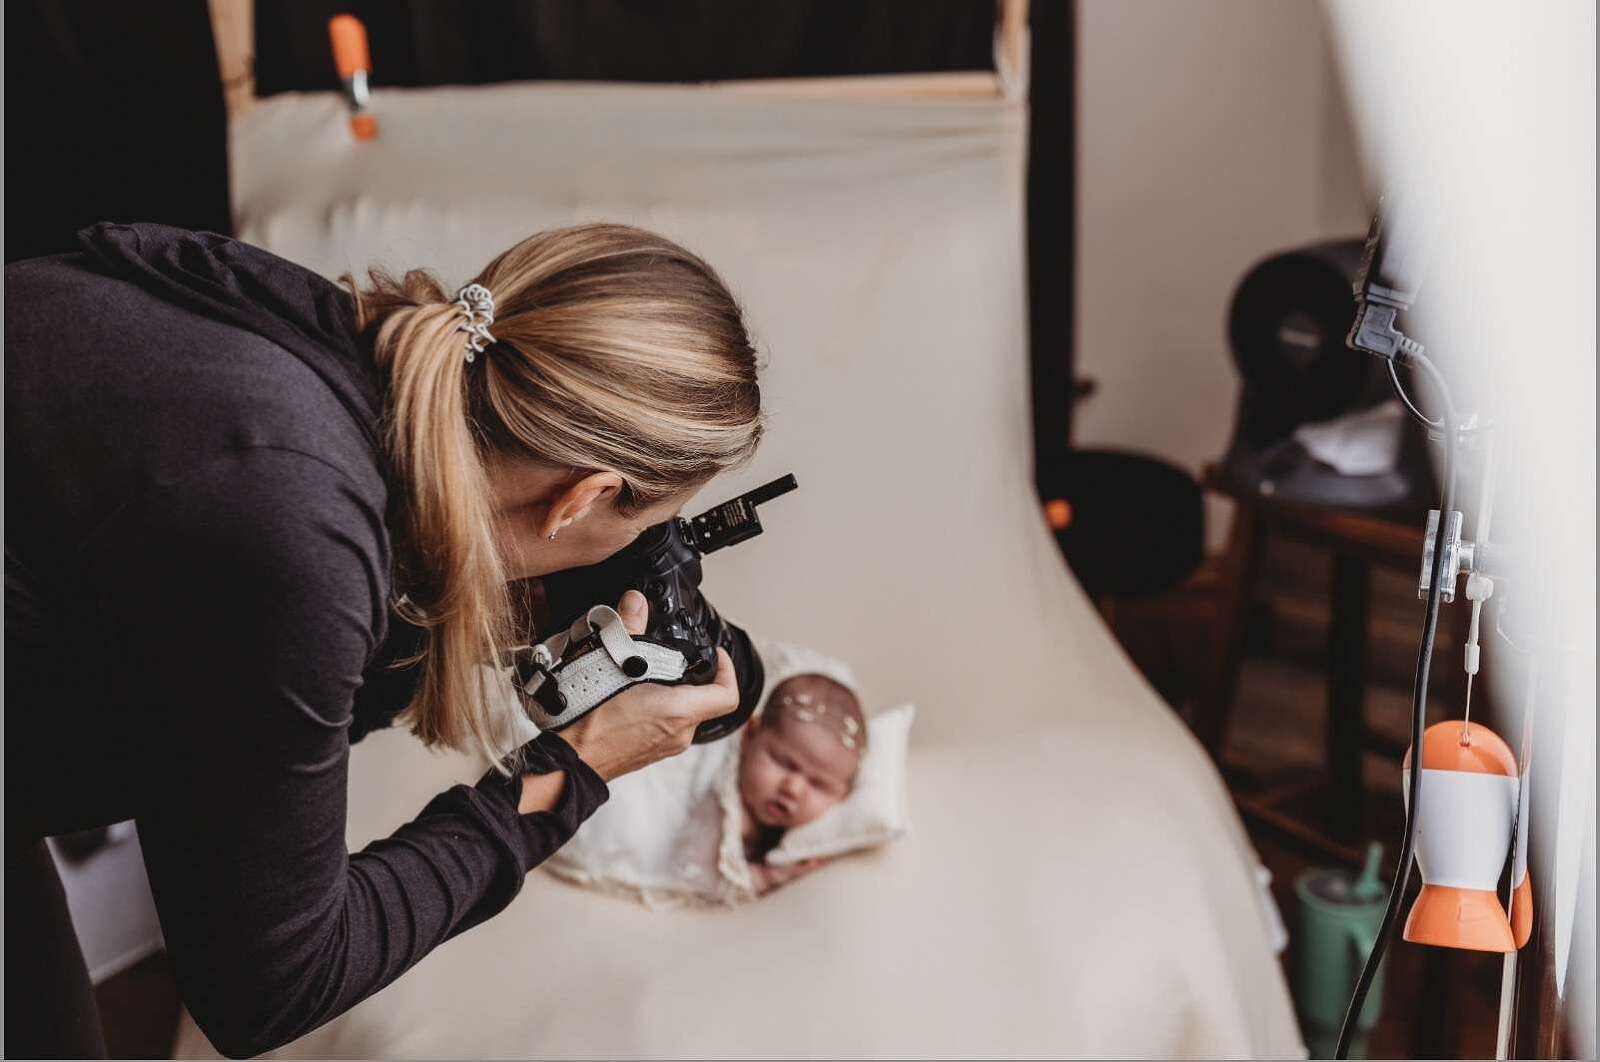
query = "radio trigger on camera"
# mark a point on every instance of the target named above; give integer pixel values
(735, 520)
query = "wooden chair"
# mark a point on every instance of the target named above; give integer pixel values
(1357, 542)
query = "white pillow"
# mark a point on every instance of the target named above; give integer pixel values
(875, 812)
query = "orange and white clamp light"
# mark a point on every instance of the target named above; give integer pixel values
(354, 61)
(1469, 804)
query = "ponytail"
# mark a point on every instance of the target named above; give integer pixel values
(616, 350)
(453, 572)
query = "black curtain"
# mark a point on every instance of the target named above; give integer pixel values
(114, 112)
(1052, 220)
(446, 42)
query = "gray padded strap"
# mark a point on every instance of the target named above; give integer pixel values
(601, 673)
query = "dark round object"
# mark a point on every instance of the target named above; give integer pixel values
(1287, 327)
(1137, 524)
(635, 667)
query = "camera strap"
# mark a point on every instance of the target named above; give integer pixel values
(582, 668)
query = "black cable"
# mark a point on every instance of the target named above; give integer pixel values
(1419, 706)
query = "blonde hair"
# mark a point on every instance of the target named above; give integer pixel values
(616, 350)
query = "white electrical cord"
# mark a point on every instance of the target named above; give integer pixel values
(1479, 589)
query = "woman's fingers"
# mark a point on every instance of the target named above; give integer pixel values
(702, 702)
(649, 722)
(718, 698)
(635, 612)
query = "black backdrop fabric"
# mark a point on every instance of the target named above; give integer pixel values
(443, 42)
(114, 112)
(1052, 227)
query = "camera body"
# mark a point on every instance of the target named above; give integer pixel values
(663, 563)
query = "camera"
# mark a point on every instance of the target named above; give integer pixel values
(663, 563)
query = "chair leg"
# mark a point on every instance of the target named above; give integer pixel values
(1437, 1029)
(1240, 567)
(1347, 684)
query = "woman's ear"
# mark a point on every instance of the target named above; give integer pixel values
(577, 498)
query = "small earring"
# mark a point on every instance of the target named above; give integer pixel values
(552, 536)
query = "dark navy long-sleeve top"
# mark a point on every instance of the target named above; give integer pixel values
(199, 623)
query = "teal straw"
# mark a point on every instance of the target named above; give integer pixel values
(1367, 887)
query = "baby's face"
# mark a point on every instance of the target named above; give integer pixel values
(790, 772)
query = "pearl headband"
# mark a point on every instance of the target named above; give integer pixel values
(807, 709)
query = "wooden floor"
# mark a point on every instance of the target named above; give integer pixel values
(139, 1010)
(1276, 732)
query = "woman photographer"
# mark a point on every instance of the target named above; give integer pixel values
(253, 516)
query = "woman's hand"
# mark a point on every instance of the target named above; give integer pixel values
(648, 722)
(765, 878)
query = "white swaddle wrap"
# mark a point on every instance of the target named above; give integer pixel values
(671, 833)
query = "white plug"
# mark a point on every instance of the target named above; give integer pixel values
(1479, 589)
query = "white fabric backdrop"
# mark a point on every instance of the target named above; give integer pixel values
(1076, 882)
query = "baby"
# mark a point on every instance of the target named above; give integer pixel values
(696, 828)
(799, 758)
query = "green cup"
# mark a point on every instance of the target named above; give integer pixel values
(1336, 927)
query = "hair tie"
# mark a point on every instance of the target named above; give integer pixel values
(477, 307)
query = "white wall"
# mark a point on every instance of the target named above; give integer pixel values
(1209, 135)
(112, 909)
(1489, 141)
